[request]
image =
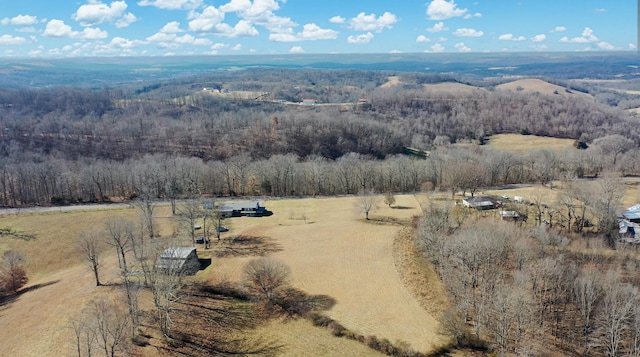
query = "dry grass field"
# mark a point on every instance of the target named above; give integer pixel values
(452, 88)
(533, 85)
(329, 247)
(525, 143)
(335, 252)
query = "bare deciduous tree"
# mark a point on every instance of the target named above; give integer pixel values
(266, 276)
(366, 203)
(12, 274)
(110, 326)
(587, 291)
(90, 245)
(121, 234)
(389, 198)
(616, 311)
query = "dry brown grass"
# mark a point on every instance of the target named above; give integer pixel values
(452, 88)
(533, 85)
(337, 253)
(525, 143)
(392, 81)
(330, 248)
(56, 233)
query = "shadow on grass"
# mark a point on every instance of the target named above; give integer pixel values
(401, 207)
(204, 263)
(245, 246)
(9, 298)
(214, 321)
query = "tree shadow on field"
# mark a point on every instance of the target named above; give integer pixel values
(402, 207)
(245, 246)
(297, 303)
(7, 299)
(213, 320)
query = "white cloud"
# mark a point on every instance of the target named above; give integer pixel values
(466, 32)
(442, 10)
(423, 39)
(632, 46)
(605, 46)
(600, 10)
(395, 51)
(123, 43)
(171, 27)
(470, 16)
(296, 49)
(260, 12)
(587, 36)
(511, 37)
(57, 28)
(370, 22)
(11, 40)
(309, 32)
(361, 39)
(437, 48)
(126, 20)
(93, 34)
(439, 27)
(242, 29)
(190, 40)
(462, 47)
(172, 4)
(314, 32)
(237, 47)
(540, 47)
(219, 46)
(20, 20)
(539, 38)
(559, 29)
(96, 12)
(207, 21)
(337, 20)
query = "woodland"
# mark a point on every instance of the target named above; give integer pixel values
(61, 145)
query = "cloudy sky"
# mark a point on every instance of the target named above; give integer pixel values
(61, 28)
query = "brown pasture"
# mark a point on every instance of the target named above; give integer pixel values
(526, 143)
(329, 246)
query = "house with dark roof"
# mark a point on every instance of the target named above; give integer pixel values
(481, 202)
(238, 209)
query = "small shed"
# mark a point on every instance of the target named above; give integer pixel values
(179, 259)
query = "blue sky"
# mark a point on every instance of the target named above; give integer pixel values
(60, 28)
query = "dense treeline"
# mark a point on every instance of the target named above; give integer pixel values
(44, 180)
(183, 120)
(528, 292)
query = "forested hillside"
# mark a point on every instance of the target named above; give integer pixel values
(53, 136)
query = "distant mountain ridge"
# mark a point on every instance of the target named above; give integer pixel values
(99, 72)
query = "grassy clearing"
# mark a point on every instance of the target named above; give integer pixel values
(525, 143)
(53, 246)
(533, 85)
(335, 252)
(327, 243)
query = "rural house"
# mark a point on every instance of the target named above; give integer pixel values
(481, 202)
(179, 259)
(251, 209)
(629, 224)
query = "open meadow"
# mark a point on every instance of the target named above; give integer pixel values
(331, 249)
